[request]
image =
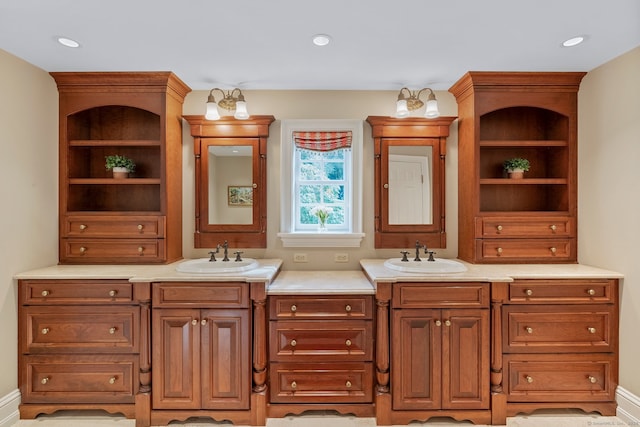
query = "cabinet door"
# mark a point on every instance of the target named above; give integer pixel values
(225, 359)
(176, 359)
(416, 359)
(465, 369)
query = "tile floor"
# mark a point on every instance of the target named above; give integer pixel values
(542, 419)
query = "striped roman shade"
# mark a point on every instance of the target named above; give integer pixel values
(322, 140)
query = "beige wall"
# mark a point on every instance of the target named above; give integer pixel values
(608, 194)
(28, 190)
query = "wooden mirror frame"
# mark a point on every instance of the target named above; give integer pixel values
(389, 131)
(230, 131)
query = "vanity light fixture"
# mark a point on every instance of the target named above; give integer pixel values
(410, 101)
(231, 100)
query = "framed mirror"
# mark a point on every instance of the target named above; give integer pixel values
(409, 179)
(231, 187)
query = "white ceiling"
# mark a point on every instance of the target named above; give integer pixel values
(266, 44)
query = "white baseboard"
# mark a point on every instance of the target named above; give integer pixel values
(9, 413)
(628, 407)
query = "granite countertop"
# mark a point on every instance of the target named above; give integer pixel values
(320, 283)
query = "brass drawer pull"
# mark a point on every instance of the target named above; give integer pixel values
(140, 249)
(112, 380)
(45, 293)
(447, 322)
(113, 330)
(529, 330)
(347, 308)
(348, 343)
(83, 227)
(113, 293)
(45, 380)
(83, 250)
(592, 380)
(529, 292)
(438, 323)
(591, 330)
(591, 292)
(553, 250)
(498, 228)
(45, 331)
(294, 343)
(140, 227)
(529, 379)
(499, 251)
(553, 228)
(294, 308)
(348, 384)
(294, 385)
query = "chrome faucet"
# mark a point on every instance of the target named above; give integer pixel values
(225, 246)
(418, 247)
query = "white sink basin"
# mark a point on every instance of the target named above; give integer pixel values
(204, 266)
(439, 266)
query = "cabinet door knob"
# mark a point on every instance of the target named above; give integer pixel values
(529, 379)
(203, 322)
(194, 322)
(348, 343)
(113, 330)
(348, 384)
(294, 385)
(553, 250)
(386, 186)
(294, 308)
(447, 322)
(140, 249)
(591, 330)
(438, 323)
(83, 227)
(83, 250)
(529, 292)
(529, 330)
(112, 380)
(347, 308)
(592, 379)
(140, 227)
(113, 293)
(499, 251)
(45, 293)
(553, 228)
(44, 380)
(45, 331)
(294, 343)
(498, 228)
(591, 292)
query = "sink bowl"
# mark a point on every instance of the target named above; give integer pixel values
(204, 266)
(439, 266)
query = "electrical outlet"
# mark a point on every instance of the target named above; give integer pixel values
(341, 257)
(299, 257)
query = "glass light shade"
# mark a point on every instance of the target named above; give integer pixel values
(241, 111)
(431, 112)
(401, 109)
(212, 111)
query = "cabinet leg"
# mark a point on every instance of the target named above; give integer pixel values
(498, 409)
(259, 408)
(383, 409)
(143, 410)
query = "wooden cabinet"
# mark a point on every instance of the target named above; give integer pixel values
(559, 344)
(202, 351)
(321, 354)
(440, 356)
(109, 220)
(79, 345)
(507, 115)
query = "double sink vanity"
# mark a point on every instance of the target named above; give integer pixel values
(157, 344)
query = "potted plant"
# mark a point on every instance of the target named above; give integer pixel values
(516, 167)
(120, 165)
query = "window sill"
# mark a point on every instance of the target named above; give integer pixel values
(321, 240)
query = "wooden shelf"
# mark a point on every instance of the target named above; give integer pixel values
(114, 181)
(524, 181)
(114, 143)
(523, 143)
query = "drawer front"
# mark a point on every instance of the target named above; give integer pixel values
(563, 291)
(111, 250)
(321, 340)
(79, 379)
(114, 226)
(552, 378)
(430, 295)
(51, 292)
(502, 227)
(201, 294)
(321, 307)
(80, 329)
(587, 328)
(526, 250)
(321, 383)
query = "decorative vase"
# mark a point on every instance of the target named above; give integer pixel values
(516, 174)
(120, 173)
(322, 226)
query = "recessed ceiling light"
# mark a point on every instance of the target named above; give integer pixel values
(321, 39)
(573, 41)
(68, 42)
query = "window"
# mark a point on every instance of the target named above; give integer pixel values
(322, 168)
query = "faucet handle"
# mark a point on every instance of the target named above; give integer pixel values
(404, 256)
(213, 256)
(431, 258)
(238, 258)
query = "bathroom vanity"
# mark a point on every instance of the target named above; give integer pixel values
(159, 345)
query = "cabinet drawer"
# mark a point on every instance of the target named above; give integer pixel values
(526, 250)
(321, 383)
(79, 379)
(114, 226)
(50, 292)
(563, 291)
(568, 378)
(80, 329)
(321, 307)
(587, 328)
(102, 251)
(430, 295)
(201, 295)
(503, 227)
(321, 340)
